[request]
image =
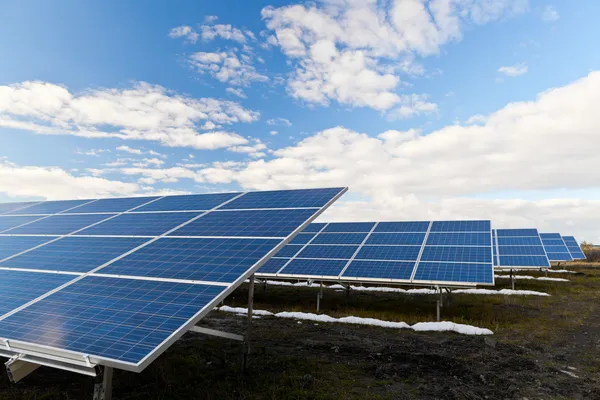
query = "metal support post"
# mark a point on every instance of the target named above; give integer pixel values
(347, 290)
(439, 305)
(103, 391)
(512, 280)
(319, 297)
(249, 321)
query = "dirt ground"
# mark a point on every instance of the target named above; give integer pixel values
(542, 348)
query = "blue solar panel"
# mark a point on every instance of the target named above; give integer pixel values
(314, 267)
(525, 261)
(392, 253)
(111, 205)
(415, 226)
(379, 269)
(517, 232)
(339, 238)
(11, 245)
(519, 241)
(284, 199)
(554, 242)
(194, 202)
(59, 224)
(522, 250)
(120, 319)
(215, 260)
(555, 236)
(302, 238)
(457, 254)
(140, 224)
(272, 265)
(264, 223)
(460, 226)
(74, 254)
(459, 239)
(556, 249)
(314, 227)
(559, 256)
(323, 251)
(289, 251)
(396, 238)
(574, 248)
(336, 227)
(454, 272)
(7, 223)
(8, 207)
(51, 207)
(19, 288)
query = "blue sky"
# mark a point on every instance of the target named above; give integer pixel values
(380, 97)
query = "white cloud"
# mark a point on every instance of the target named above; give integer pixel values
(550, 14)
(351, 51)
(255, 150)
(148, 162)
(209, 19)
(413, 105)
(92, 152)
(227, 67)
(226, 32)
(55, 183)
(531, 147)
(279, 121)
(236, 92)
(513, 70)
(184, 31)
(273, 133)
(144, 112)
(130, 150)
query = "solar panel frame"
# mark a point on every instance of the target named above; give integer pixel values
(79, 358)
(574, 248)
(555, 247)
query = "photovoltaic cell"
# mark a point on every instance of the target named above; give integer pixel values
(525, 261)
(194, 202)
(523, 250)
(339, 238)
(272, 265)
(19, 288)
(396, 253)
(301, 266)
(555, 247)
(11, 245)
(51, 207)
(379, 269)
(314, 227)
(302, 238)
(460, 226)
(120, 319)
(322, 251)
(8, 207)
(111, 205)
(289, 251)
(459, 239)
(334, 227)
(574, 248)
(520, 241)
(457, 254)
(413, 226)
(62, 224)
(415, 239)
(263, 223)
(73, 254)
(7, 223)
(140, 224)
(283, 199)
(517, 232)
(454, 272)
(215, 260)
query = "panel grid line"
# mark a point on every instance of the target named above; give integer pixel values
(303, 247)
(414, 271)
(358, 249)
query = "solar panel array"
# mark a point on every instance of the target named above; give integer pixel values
(555, 247)
(519, 248)
(117, 281)
(455, 253)
(574, 248)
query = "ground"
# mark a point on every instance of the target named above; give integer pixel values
(542, 348)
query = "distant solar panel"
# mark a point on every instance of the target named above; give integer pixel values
(520, 248)
(86, 292)
(574, 248)
(555, 247)
(50, 207)
(391, 251)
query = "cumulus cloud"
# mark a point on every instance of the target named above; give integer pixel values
(279, 121)
(226, 32)
(184, 31)
(227, 67)
(352, 51)
(513, 70)
(236, 92)
(143, 112)
(550, 14)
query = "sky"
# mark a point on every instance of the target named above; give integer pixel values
(425, 109)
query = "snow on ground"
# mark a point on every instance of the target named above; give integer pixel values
(531, 277)
(451, 326)
(569, 373)
(561, 271)
(505, 292)
(421, 326)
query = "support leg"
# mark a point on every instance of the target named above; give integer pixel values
(249, 321)
(439, 305)
(512, 280)
(347, 290)
(103, 391)
(319, 297)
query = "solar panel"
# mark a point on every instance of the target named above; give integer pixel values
(121, 291)
(555, 247)
(457, 253)
(8, 207)
(520, 248)
(302, 238)
(574, 248)
(50, 207)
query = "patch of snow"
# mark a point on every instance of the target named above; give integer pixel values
(553, 279)
(569, 373)
(240, 310)
(505, 292)
(562, 271)
(542, 278)
(451, 326)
